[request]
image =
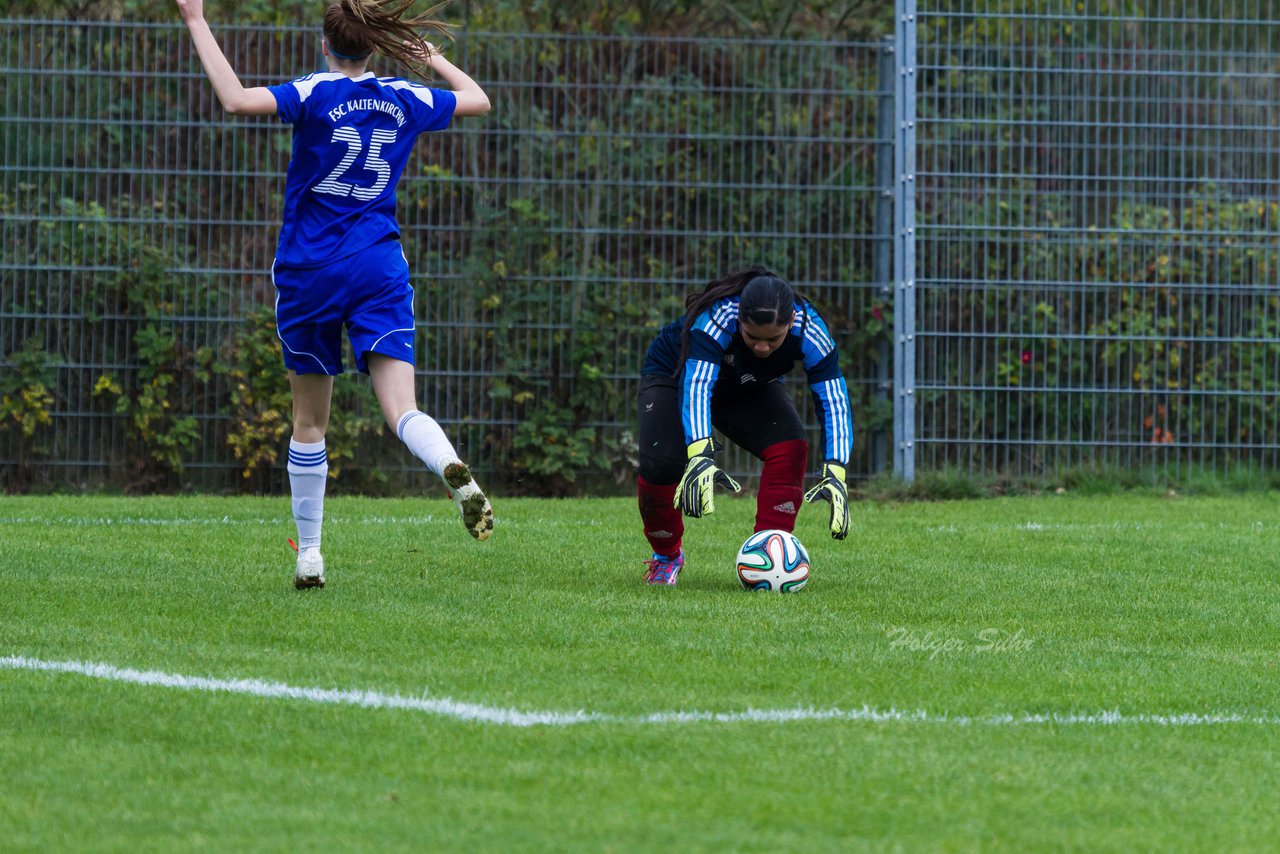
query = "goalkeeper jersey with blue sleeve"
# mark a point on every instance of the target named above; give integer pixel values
(351, 140)
(719, 361)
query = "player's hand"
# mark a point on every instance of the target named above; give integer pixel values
(191, 10)
(422, 51)
(695, 496)
(831, 488)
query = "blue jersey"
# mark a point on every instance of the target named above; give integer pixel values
(351, 140)
(719, 360)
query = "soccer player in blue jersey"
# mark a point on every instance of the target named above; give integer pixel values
(338, 260)
(721, 366)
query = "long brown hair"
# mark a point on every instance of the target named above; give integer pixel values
(356, 28)
(772, 301)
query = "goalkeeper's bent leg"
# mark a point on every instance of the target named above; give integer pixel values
(663, 524)
(781, 485)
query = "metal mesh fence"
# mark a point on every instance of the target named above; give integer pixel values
(1083, 203)
(548, 243)
(1097, 234)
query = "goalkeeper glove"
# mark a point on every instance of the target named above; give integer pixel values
(831, 488)
(694, 494)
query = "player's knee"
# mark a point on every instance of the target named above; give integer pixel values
(660, 470)
(790, 455)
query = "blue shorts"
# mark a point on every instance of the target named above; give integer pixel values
(369, 292)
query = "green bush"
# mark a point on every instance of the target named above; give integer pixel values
(259, 416)
(26, 399)
(1170, 306)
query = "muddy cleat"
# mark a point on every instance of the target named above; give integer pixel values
(473, 507)
(310, 571)
(664, 570)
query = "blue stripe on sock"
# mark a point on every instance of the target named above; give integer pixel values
(404, 419)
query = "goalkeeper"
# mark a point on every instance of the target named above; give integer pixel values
(721, 366)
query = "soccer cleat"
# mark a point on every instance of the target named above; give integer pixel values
(310, 570)
(664, 570)
(473, 507)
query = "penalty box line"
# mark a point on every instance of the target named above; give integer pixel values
(478, 713)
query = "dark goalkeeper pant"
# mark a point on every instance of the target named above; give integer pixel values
(762, 420)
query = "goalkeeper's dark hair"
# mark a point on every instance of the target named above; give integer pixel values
(767, 300)
(357, 28)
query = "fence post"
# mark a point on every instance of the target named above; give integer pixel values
(882, 251)
(904, 256)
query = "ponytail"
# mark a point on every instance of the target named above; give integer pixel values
(357, 28)
(766, 299)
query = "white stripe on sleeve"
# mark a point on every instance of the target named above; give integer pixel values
(699, 379)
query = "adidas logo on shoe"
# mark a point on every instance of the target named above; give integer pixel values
(786, 507)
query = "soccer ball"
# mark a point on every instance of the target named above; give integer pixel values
(773, 560)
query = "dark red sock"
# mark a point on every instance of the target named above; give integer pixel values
(663, 524)
(781, 485)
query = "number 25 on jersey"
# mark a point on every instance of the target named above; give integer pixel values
(373, 162)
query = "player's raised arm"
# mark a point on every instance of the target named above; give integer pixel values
(472, 101)
(257, 101)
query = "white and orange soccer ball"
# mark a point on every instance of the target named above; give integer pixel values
(773, 561)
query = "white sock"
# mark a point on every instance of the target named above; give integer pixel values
(308, 472)
(426, 440)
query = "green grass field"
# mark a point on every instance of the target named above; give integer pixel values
(1010, 674)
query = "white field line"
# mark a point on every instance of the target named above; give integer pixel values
(476, 713)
